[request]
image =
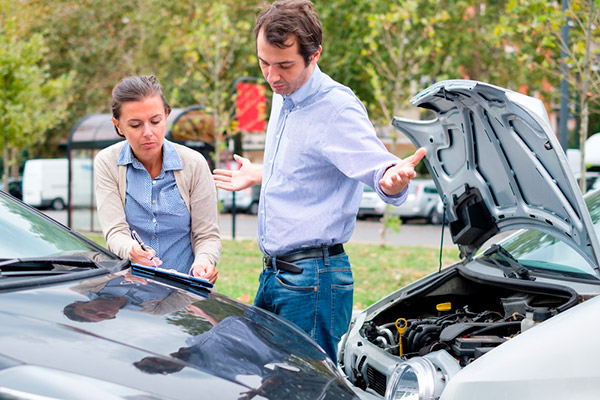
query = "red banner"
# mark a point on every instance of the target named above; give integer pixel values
(251, 107)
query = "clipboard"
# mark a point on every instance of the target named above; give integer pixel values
(178, 279)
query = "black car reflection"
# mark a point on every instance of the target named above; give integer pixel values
(74, 321)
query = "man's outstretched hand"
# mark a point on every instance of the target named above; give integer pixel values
(396, 177)
(248, 175)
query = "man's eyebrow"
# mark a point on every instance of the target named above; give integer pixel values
(278, 63)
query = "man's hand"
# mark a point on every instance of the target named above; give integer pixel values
(396, 178)
(208, 272)
(248, 175)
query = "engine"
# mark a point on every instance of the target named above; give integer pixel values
(462, 332)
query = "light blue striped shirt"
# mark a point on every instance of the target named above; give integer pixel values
(320, 146)
(156, 210)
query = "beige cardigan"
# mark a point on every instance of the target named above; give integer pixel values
(196, 186)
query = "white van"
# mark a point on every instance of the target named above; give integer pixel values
(45, 182)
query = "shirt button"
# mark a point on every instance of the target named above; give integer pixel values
(154, 182)
(153, 237)
(153, 219)
(153, 201)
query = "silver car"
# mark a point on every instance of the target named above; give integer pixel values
(421, 202)
(500, 168)
(371, 204)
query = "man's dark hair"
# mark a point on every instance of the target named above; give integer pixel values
(69, 311)
(284, 18)
(135, 88)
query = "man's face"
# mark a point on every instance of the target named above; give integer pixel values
(284, 69)
(98, 310)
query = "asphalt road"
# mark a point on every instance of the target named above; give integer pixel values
(412, 233)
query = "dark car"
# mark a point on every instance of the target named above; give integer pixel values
(15, 187)
(491, 320)
(77, 322)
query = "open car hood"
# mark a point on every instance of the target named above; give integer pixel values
(498, 166)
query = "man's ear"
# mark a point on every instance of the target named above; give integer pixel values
(317, 54)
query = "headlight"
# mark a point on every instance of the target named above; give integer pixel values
(421, 378)
(412, 380)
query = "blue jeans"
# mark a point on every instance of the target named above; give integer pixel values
(318, 300)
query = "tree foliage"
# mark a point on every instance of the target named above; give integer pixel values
(385, 50)
(214, 50)
(31, 101)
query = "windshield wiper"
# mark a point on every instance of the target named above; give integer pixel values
(514, 269)
(48, 263)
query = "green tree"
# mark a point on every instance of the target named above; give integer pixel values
(534, 27)
(580, 57)
(399, 43)
(344, 27)
(215, 47)
(31, 102)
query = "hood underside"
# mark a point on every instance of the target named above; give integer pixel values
(498, 166)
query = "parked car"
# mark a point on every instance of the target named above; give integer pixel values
(438, 214)
(246, 200)
(493, 155)
(77, 322)
(46, 182)
(15, 187)
(421, 202)
(371, 204)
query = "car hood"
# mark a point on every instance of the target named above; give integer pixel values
(158, 340)
(498, 166)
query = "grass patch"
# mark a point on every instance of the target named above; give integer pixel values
(377, 270)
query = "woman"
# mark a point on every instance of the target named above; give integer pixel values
(160, 189)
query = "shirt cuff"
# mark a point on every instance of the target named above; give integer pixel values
(394, 200)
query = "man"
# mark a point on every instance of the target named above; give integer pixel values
(320, 149)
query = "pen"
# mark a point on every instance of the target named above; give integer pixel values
(138, 239)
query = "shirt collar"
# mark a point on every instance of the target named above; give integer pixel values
(309, 87)
(171, 160)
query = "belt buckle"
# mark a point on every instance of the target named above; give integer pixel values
(267, 262)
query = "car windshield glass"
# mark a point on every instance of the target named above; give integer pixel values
(540, 251)
(25, 234)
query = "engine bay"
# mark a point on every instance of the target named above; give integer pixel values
(464, 317)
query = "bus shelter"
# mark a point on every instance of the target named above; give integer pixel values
(191, 126)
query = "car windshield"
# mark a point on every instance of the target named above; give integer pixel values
(539, 251)
(26, 234)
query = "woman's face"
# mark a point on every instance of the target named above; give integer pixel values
(143, 123)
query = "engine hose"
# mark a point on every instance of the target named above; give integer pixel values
(408, 336)
(415, 326)
(388, 333)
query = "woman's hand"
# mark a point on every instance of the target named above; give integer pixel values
(140, 256)
(208, 272)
